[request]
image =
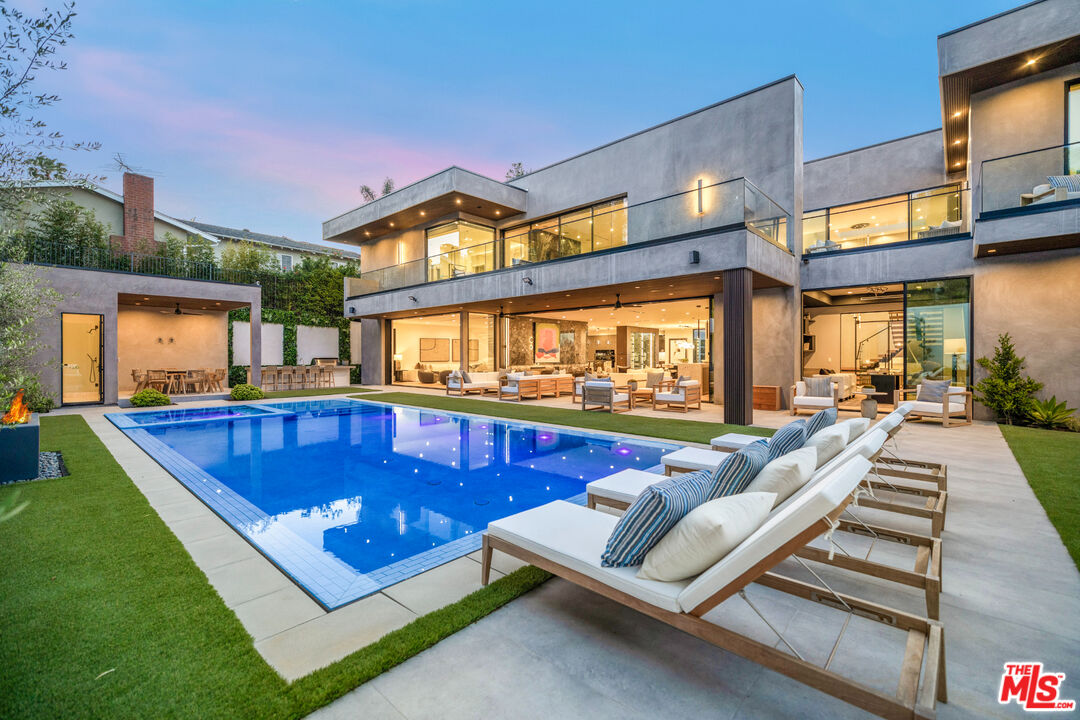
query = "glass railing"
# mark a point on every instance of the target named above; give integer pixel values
(922, 215)
(1031, 179)
(732, 203)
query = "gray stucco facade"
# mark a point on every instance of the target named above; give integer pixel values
(994, 104)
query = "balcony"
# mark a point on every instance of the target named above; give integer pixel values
(923, 215)
(1030, 201)
(727, 205)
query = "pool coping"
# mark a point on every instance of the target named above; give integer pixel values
(292, 632)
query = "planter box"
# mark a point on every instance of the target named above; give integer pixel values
(19, 450)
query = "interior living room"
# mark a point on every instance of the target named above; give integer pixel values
(888, 337)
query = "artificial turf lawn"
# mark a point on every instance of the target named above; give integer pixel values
(672, 428)
(104, 614)
(1051, 463)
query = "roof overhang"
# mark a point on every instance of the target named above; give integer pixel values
(1010, 46)
(446, 192)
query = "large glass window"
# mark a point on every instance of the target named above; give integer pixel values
(937, 331)
(481, 343)
(920, 215)
(1072, 128)
(598, 227)
(426, 349)
(459, 248)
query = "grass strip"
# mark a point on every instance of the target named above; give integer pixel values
(106, 615)
(1050, 459)
(673, 428)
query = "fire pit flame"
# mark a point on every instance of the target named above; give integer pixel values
(18, 413)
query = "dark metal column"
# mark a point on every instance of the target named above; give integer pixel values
(738, 346)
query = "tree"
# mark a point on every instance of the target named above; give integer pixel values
(67, 224)
(249, 257)
(1006, 390)
(29, 46)
(193, 248)
(516, 170)
(369, 195)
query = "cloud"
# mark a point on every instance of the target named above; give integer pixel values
(312, 165)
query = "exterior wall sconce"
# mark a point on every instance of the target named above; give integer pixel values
(413, 298)
(695, 257)
(527, 280)
(700, 199)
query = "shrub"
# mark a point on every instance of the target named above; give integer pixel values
(1006, 390)
(238, 375)
(354, 375)
(246, 392)
(150, 398)
(1050, 413)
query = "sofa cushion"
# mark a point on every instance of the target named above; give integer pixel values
(828, 443)
(820, 420)
(819, 386)
(786, 474)
(805, 401)
(707, 533)
(934, 408)
(738, 469)
(932, 390)
(790, 437)
(652, 515)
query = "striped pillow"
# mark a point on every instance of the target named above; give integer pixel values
(1071, 183)
(790, 437)
(738, 469)
(655, 511)
(820, 420)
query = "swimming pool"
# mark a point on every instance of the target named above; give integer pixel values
(348, 497)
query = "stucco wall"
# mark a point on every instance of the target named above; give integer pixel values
(1032, 297)
(893, 167)
(315, 342)
(150, 339)
(272, 343)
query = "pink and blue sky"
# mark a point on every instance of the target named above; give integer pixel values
(270, 114)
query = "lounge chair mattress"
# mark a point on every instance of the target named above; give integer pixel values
(694, 458)
(624, 485)
(574, 537)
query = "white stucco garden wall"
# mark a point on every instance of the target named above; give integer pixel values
(315, 342)
(273, 336)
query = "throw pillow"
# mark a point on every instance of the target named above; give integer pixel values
(465, 377)
(790, 437)
(1070, 182)
(855, 427)
(932, 390)
(738, 469)
(707, 533)
(785, 474)
(818, 386)
(652, 515)
(828, 443)
(820, 420)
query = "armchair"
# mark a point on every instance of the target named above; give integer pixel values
(955, 407)
(677, 395)
(602, 395)
(802, 400)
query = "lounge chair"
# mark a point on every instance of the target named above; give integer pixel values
(682, 395)
(603, 395)
(568, 540)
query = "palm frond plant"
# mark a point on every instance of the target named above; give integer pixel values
(1050, 413)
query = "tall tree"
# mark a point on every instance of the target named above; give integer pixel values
(249, 257)
(516, 170)
(368, 194)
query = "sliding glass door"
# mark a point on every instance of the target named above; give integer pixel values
(937, 331)
(81, 351)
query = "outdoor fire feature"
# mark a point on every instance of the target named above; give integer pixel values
(19, 442)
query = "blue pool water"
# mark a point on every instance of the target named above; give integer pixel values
(349, 497)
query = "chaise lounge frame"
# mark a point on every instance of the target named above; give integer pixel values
(924, 654)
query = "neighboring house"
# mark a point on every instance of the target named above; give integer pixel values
(133, 222)
(707, 245)
(288, 251)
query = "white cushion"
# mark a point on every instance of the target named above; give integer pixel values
(694, 458)
(783, 525)
(508, 390)
(669, 397)
(815, 402)
(575, 537)
(689, 383)
(624, 485)
(786, 474)
(921, 407)
(600, 384)
(854, 427)
(705, 535)
(620, 397)
(828, 442)
(734, 440)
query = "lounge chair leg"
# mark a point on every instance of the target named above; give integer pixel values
(485, 561)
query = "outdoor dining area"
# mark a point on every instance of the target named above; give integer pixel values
(176, 381)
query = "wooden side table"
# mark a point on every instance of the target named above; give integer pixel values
(766, 397)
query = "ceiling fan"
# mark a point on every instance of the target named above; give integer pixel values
(178, 311)
(619, 303)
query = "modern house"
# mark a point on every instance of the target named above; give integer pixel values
(709, 246)
(289, 252)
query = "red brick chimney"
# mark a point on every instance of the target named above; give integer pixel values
(138, 216)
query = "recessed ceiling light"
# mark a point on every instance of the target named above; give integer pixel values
(991, 250)
(498, 212)
(422, 213)
(958, 113)
(850, 291)
(955, 142)
(458, 201)
(1030, 62)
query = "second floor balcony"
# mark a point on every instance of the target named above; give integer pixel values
(1033, 180)
(606, 227)
(930, 214)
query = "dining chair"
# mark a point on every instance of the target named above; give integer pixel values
(195, 379)
(158, 380)
(219, 378)
(140, 378)
(285, 377)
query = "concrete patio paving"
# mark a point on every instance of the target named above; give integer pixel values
(1010, 593)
